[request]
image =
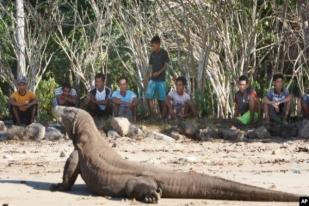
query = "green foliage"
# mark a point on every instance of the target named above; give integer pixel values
(45, 94)
(4, 110)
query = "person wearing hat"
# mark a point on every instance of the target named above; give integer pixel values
(23, 104)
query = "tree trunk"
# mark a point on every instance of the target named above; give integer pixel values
(303, 7)
(20, 38)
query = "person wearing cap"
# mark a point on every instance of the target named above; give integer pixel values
(23, 104)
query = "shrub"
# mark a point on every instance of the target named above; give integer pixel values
(45, 93)
(4, 110)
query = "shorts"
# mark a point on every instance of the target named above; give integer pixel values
(156, 90)
(306, 99)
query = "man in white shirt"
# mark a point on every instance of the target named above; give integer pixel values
(178, 102)
(98, 100)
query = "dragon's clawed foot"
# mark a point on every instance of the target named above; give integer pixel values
(58, 187)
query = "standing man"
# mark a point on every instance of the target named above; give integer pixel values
(97, 101)
(125, 101)
(66, 96)
(158, 63)
(246, 101)
(23, 104)
(277, 103)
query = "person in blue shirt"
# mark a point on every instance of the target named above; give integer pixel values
(124, 101)
(277, 103)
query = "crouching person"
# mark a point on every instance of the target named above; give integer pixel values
(124, 101)
(66, 96)
(246, 102)
(305, 106)
(23, 104)
(178, 103)
(277, 103)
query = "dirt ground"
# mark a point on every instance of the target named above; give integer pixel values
(28, 168)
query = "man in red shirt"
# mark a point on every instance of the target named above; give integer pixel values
(246, 99)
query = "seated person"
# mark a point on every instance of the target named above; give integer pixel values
(277, 103)
(305, 105)
(65, 96)
(246, 100)
(178, 103)
(124, 100)
(97, 101)
(23, 104)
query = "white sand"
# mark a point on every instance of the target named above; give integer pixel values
(28, 168)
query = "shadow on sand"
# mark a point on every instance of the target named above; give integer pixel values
(77, 189)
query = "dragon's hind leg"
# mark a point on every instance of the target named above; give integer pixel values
(143, 189)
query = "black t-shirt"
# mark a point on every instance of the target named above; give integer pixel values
(157, 61)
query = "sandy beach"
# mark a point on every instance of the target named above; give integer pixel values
(27, 168)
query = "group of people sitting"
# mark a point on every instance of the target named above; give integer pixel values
(176, 104)
(100, 101)
(276, 105)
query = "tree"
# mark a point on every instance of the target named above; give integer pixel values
(20, 38)
(84, 34)
(30, 44)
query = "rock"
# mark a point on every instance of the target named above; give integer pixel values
(35, 131)
(231, 134)
(2, 127)
(135, 132)
(188, 129)
(52, 134)
(259, 133)
(3, 135)
(177, 135)
(143, 128)
(57, 126)
(209, 132)
(103, 123)
(301, 149)
(160, 136)
(16, 132)
(283, 130)
(8, 157)
(63, 154)
(113, 134)
(121, 125)
(304, 129)
(191, 159)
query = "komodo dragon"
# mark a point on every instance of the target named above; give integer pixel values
(106, 173)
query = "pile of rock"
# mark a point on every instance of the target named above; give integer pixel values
(303, 129)
(3, 131)
(34, 131)
(121, 127)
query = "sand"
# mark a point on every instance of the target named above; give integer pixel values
(28, 168)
